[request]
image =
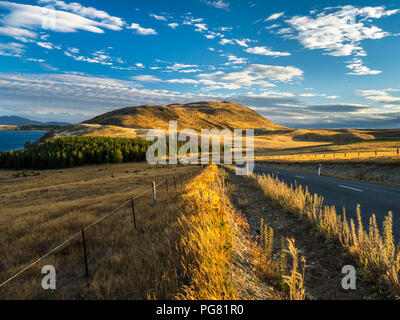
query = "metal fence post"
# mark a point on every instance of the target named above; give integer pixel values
(133, 213)
(153, 189)
(85, 256)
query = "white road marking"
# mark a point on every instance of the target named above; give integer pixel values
(301, 177)
(359, 190)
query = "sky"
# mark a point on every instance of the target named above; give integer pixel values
(302, 64)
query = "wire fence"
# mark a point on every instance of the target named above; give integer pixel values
(345, 154)
(170, 185)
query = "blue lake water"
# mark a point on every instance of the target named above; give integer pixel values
(15, 140)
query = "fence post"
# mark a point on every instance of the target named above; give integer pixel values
(319, 169)
(153, 189)
(397, 151)
(376, 153)
(85, 256)
(133, 213)
(176, 189)
(166, 184)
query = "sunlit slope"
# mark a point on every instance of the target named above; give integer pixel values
(198, 115)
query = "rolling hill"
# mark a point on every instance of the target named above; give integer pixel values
(199, 115)
(134, 122)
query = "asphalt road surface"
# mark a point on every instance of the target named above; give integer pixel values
(373, 198)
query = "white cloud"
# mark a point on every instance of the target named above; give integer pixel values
(252, 75)
(266, 52)
(11, 49)
(243, 42)
(183, 81)
(235, 60)
(358, 68)
(20, 34)
(201, 27)
(189, 70)
(46, 45)
(115, 23)
(139, 65)
(159, 18)
(142, 31)
(220, 4)
(381, 96)
(179, 66)
(100, 57)
(337, 32)
(29, 17)
(272, 26)
(189, 20)
(173, 25)
(146, 78)
(275, 16)
(224, 41)
(73, 50)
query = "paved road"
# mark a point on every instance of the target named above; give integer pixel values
(373, 198)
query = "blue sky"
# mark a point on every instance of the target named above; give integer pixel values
(299, 63)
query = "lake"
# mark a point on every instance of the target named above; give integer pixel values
(15, 139)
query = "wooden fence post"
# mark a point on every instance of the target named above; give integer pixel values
(154, 192)
(85, 256)
(166, 184)
(176, 188)
(133, 213)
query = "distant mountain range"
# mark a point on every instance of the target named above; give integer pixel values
(19, 121)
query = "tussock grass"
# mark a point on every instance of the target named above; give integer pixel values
(207, 243)
(272, 265)
(124, 262)
(373, 251)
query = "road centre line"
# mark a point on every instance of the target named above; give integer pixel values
(359, 190)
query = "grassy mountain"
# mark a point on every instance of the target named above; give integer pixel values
(198, 115)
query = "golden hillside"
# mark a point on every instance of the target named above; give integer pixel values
(198, 115)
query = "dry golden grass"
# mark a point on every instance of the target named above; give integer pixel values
(373, 251)
(40, 212)
(193, 245)
(272, 265)
(208, 241)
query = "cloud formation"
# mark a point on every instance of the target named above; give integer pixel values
(219, 4)
(142, 31)
(267, 52)
(339, 32)
(22, 18)
(274, 16)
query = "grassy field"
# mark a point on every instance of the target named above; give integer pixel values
(193, 245)
(39, 210)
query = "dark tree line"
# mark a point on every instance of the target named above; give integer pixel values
(76, 151)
